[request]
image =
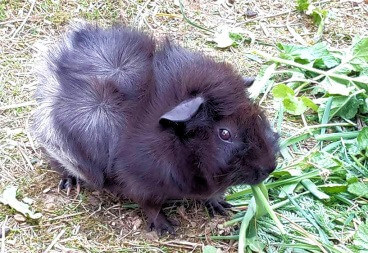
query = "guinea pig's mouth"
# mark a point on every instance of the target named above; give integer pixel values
(258, 177)
(253, 177)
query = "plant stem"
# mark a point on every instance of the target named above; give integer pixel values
(302, 136)
(337, 136)
(223, 237)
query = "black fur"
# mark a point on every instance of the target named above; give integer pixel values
(145, 124)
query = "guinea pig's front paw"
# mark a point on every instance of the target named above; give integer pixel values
(68, 182)
(162, 225)
(216, 205)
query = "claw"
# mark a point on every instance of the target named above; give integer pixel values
(162, 226)
(216, 206)
(78, 188)
(67, 183)
(225, 204)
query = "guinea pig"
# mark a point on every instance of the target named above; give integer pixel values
(148, 123)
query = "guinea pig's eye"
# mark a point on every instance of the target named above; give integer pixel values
(224, 134)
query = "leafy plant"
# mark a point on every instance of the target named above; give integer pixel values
(313, 190)
(342, 75)
(292, 104)
(318, 15)
(361, 238)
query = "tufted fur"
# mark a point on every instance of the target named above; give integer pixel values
(102, 97)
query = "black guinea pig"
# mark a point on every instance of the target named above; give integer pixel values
(148, 123)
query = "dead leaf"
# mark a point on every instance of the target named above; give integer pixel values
(46, 190)
(20, 218)
(137, 223)
(222, 39)
(9, 198)
(28, 201)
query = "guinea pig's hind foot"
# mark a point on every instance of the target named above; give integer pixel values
(161, 224)
(216, 205)
(68, 182)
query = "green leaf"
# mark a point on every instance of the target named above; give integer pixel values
(359, 189)
(349, 110)
(336, 86)
(287, 173)
(363, 139)
(352, 147)
(361, 238)
(254, 243)
(356, 59)
(302, 5)
(309, 103)
(325, 161)
(360, 49)
(346, 69)
(351, 179)
(342, 106)
(364, 107)
(327, 62)
(294, 105)
(282, 91)
(287, 189)
(318, 54)
(318, 15)
(209, 249)
(310, 186)
(334, 188)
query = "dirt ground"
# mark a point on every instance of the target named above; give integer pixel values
(95, 221)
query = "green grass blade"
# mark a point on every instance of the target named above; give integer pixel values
(326, 114)
(295, 139)
(263, 204)
(291, 180)
(337, 136)
(239, 216)
(310, 186)
(249, 215)
(280, 117)
(223, 237)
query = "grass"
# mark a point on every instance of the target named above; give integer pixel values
(318, 155)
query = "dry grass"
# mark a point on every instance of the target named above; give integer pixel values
(95, 222)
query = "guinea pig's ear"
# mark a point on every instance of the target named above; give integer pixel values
(182, 112)
(248, 81)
